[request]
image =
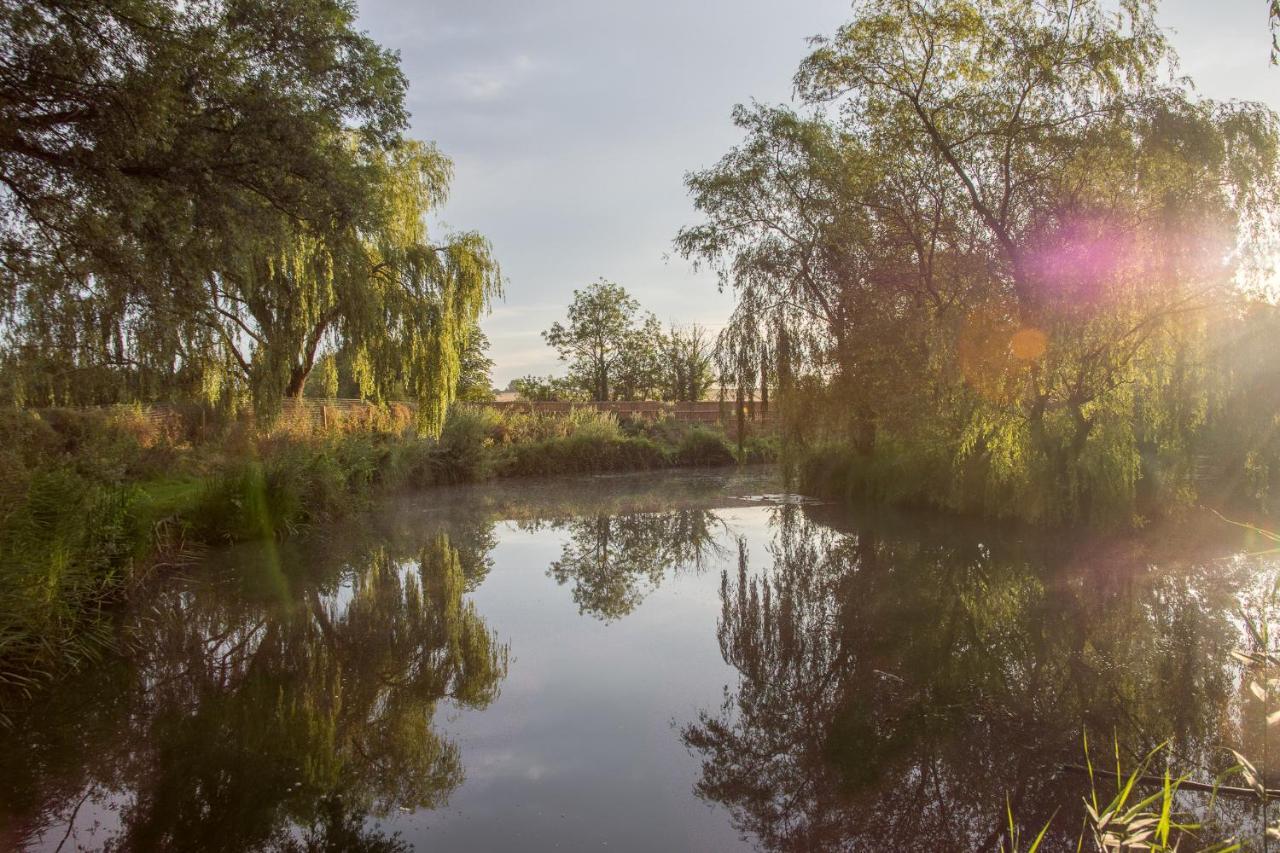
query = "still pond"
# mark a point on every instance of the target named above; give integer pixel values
(684, 661)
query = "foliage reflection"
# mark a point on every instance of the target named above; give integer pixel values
(259, 719)
(613, 561)
(894, 690)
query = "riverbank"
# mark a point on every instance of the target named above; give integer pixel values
(1154, 492)
(91, 502)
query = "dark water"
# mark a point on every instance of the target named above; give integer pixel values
(644, 663)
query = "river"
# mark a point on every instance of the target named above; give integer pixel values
(677, 661)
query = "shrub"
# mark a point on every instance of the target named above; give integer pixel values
(86, 497)
(463, 450)
(701, 446)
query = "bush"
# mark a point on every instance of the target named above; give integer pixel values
(463, 452)
(67, 547)
(701, 446)
(585, 453)
(760, 448)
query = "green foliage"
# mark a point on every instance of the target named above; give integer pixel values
(1273, 18)
(609, 346)
(475, 383)
(547, 389)
(702, 447)
(686, 366)
(464, 451)
(587, 451)
(616, 353)
(246, 204)
(989, 257)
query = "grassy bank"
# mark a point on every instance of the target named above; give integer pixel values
(1153, 488)
(91, 502)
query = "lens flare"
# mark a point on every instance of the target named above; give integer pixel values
(1028, 344)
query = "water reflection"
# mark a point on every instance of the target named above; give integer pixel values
(279, 719)
(887, 684)
(895, 689)
(612, 562)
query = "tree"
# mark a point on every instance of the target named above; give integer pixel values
(991, 245)
(475, 384)
(1273, 16)
(141, 140)
(686, 363)
(545, 388)
(403, 306)
(608, 345)
(246, 203)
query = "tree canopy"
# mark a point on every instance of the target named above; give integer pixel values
(199, 198)
(617, 352)
(993, 242)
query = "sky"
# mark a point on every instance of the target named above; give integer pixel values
(572, 124)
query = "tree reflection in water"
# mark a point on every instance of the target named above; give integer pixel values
(893, 691)
(613, 561)
(894, 686)
(250, 722)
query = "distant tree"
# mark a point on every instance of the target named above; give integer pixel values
(325, 379)
(545, 388)
(686, 360)
(1274, 17)
(475, 385)
(641, 369)
(610, 347)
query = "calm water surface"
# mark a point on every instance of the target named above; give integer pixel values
(661, 662)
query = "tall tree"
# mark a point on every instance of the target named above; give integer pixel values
(475, 380)
(608, 343)
(990, 242)
(199, 197)
(403, 305)
(686, 363)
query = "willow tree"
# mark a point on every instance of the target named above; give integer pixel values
(200, 199)
(402, 305)
(140, 140)
(996, 238)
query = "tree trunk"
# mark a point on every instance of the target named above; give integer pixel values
(764, 385)
(742, 420)
(297, 381)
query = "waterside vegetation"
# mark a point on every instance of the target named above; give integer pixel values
(1003, 260)
(92, 501)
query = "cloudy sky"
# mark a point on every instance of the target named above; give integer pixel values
(573, 122)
